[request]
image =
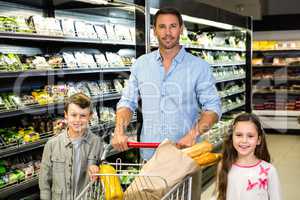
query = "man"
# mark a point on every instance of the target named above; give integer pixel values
(174, 87)
(179, 97)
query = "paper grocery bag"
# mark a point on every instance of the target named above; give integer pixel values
(164, 170)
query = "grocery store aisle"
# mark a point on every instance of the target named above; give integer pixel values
(285, 153)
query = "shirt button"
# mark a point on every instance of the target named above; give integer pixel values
(70, 165)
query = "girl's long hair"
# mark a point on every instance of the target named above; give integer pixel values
(230, 154)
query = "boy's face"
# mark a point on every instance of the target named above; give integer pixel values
(77, 118)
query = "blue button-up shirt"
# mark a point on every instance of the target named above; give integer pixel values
(172, 100)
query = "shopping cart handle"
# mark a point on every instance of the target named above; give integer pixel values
(142, 144)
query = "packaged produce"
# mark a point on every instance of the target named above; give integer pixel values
(90, 31)
(122, 33)
(106, 86)
(101, 33)
(69, 59)
(23, 26)
(31, 137)
(42, 97)
(10, 62)
(28, 170)
(118, 85)
(101, 60)
(55, 61)
(57, 92)
(112, 185)
(68, 27)
(28, 100)
(80, 27)
(114, 59)
(39, 23)
(127, 60)
(40, 63)
(85, 60)
(8, 24)
(82, 87)
(53, 26)
(94, 120)
(107, 114)
(132, 33)
(110, 30)
(94, 88)
(10, 136)
(17, 100)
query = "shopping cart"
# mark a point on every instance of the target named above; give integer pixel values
(126, 173)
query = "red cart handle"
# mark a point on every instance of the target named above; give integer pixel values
(142, 144)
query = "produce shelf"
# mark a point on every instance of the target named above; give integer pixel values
(232, 93)
(191, 46)
(60, 39)
(17, 187)
(285, 113)
(16, 148)
(230, 79)
(59, 72)
(226, 64)
(52, 107)
(233, 107)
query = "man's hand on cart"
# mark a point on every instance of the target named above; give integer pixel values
(93, 169)
(188, 140)
(119, 141)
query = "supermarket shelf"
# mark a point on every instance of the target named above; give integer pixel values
(191, 46)
(233, 93)
(215, 48)
(230, 79)
(59, 72)
(273, 66)
(233, 108)
(277, 79)
(15, 188)
(16, 149)
(226, 64)
(290, 113)
(275, 50)
(276, 92)
(45, 38)
(51, 107)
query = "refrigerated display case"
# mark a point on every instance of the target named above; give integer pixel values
(52, 49)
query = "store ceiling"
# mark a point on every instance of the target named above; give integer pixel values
(257, 8)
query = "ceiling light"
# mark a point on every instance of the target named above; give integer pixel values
(197, 20)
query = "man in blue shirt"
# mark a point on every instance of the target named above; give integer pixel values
(177, 89)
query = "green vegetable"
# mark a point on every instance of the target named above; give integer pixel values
(2, 170)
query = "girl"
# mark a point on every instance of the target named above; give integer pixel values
(245, 172)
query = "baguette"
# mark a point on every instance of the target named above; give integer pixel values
(208, 158)
(198, 149)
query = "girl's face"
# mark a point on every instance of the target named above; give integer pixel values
(77, 118)
(245, 138)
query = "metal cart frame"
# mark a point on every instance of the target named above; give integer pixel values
(96, 190)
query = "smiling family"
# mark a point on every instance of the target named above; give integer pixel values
(179, 102)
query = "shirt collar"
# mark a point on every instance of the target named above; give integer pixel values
(66, 140)
(178, 58)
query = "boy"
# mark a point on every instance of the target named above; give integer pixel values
(69, 155)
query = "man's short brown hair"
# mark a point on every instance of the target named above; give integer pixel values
(79, 99)
(164, 11)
